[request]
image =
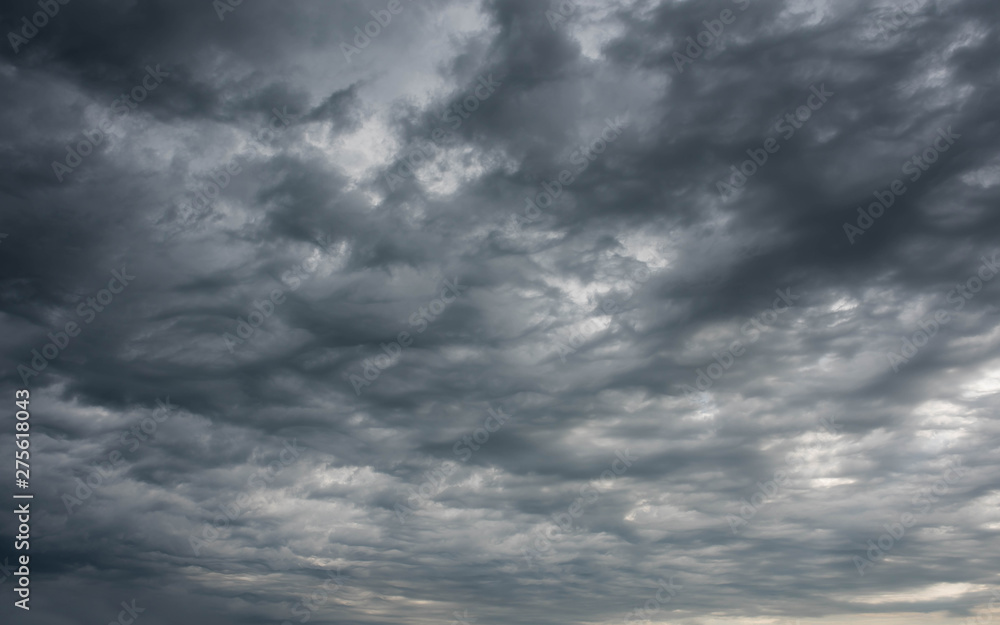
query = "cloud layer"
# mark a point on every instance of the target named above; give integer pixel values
(590, 312)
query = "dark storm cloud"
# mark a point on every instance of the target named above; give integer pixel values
(604, 320)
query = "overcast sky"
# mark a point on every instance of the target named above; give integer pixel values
(502, 311)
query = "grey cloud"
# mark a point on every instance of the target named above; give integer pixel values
(817, 386)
